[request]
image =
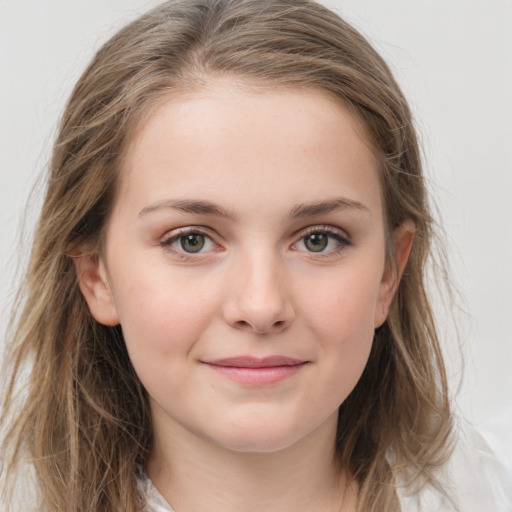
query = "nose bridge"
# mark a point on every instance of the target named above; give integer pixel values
(264, 277)
(259, 297)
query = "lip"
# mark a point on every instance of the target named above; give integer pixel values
(253, 371)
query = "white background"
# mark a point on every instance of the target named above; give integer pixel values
(453, 59)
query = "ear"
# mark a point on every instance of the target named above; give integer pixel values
(402, 239)
(94, 285)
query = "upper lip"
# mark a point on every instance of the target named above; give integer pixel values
(256, 362)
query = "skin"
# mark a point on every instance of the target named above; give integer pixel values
(240, 170)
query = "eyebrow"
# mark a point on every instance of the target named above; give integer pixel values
(198, 207)
(302, 210)
(323, 207)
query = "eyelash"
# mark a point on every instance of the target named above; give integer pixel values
(341, 240)
(168, 240)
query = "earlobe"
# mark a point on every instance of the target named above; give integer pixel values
(403, 238)
(94, 285)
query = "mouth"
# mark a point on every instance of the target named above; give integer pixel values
(253, 371)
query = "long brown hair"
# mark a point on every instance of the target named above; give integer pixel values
(80, 418)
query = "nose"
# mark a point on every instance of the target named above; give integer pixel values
(259, 298)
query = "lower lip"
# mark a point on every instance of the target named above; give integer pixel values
(258, 376)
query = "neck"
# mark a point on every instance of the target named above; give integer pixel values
(193, 474)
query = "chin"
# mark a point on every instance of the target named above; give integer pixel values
(269, 438)
(259, 445)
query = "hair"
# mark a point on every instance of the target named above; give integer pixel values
(84, 443)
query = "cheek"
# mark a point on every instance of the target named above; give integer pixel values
(162, 318)
(341, 316)
(344, 304)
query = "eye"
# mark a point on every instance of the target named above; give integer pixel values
(189, 241)
(316, 242)
(322, 240)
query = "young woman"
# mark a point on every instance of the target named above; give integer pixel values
(225, 308)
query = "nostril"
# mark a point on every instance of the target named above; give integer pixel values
(243, 324)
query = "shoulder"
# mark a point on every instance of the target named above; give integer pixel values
(476, 478)
(20, 491)
(155, 502)
(478, 475)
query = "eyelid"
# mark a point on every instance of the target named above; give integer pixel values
(172, 236)
(177, 232)
(323, 228)
(340, 235)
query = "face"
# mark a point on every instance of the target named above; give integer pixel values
(245, 262)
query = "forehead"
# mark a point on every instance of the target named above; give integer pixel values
(228, 138)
